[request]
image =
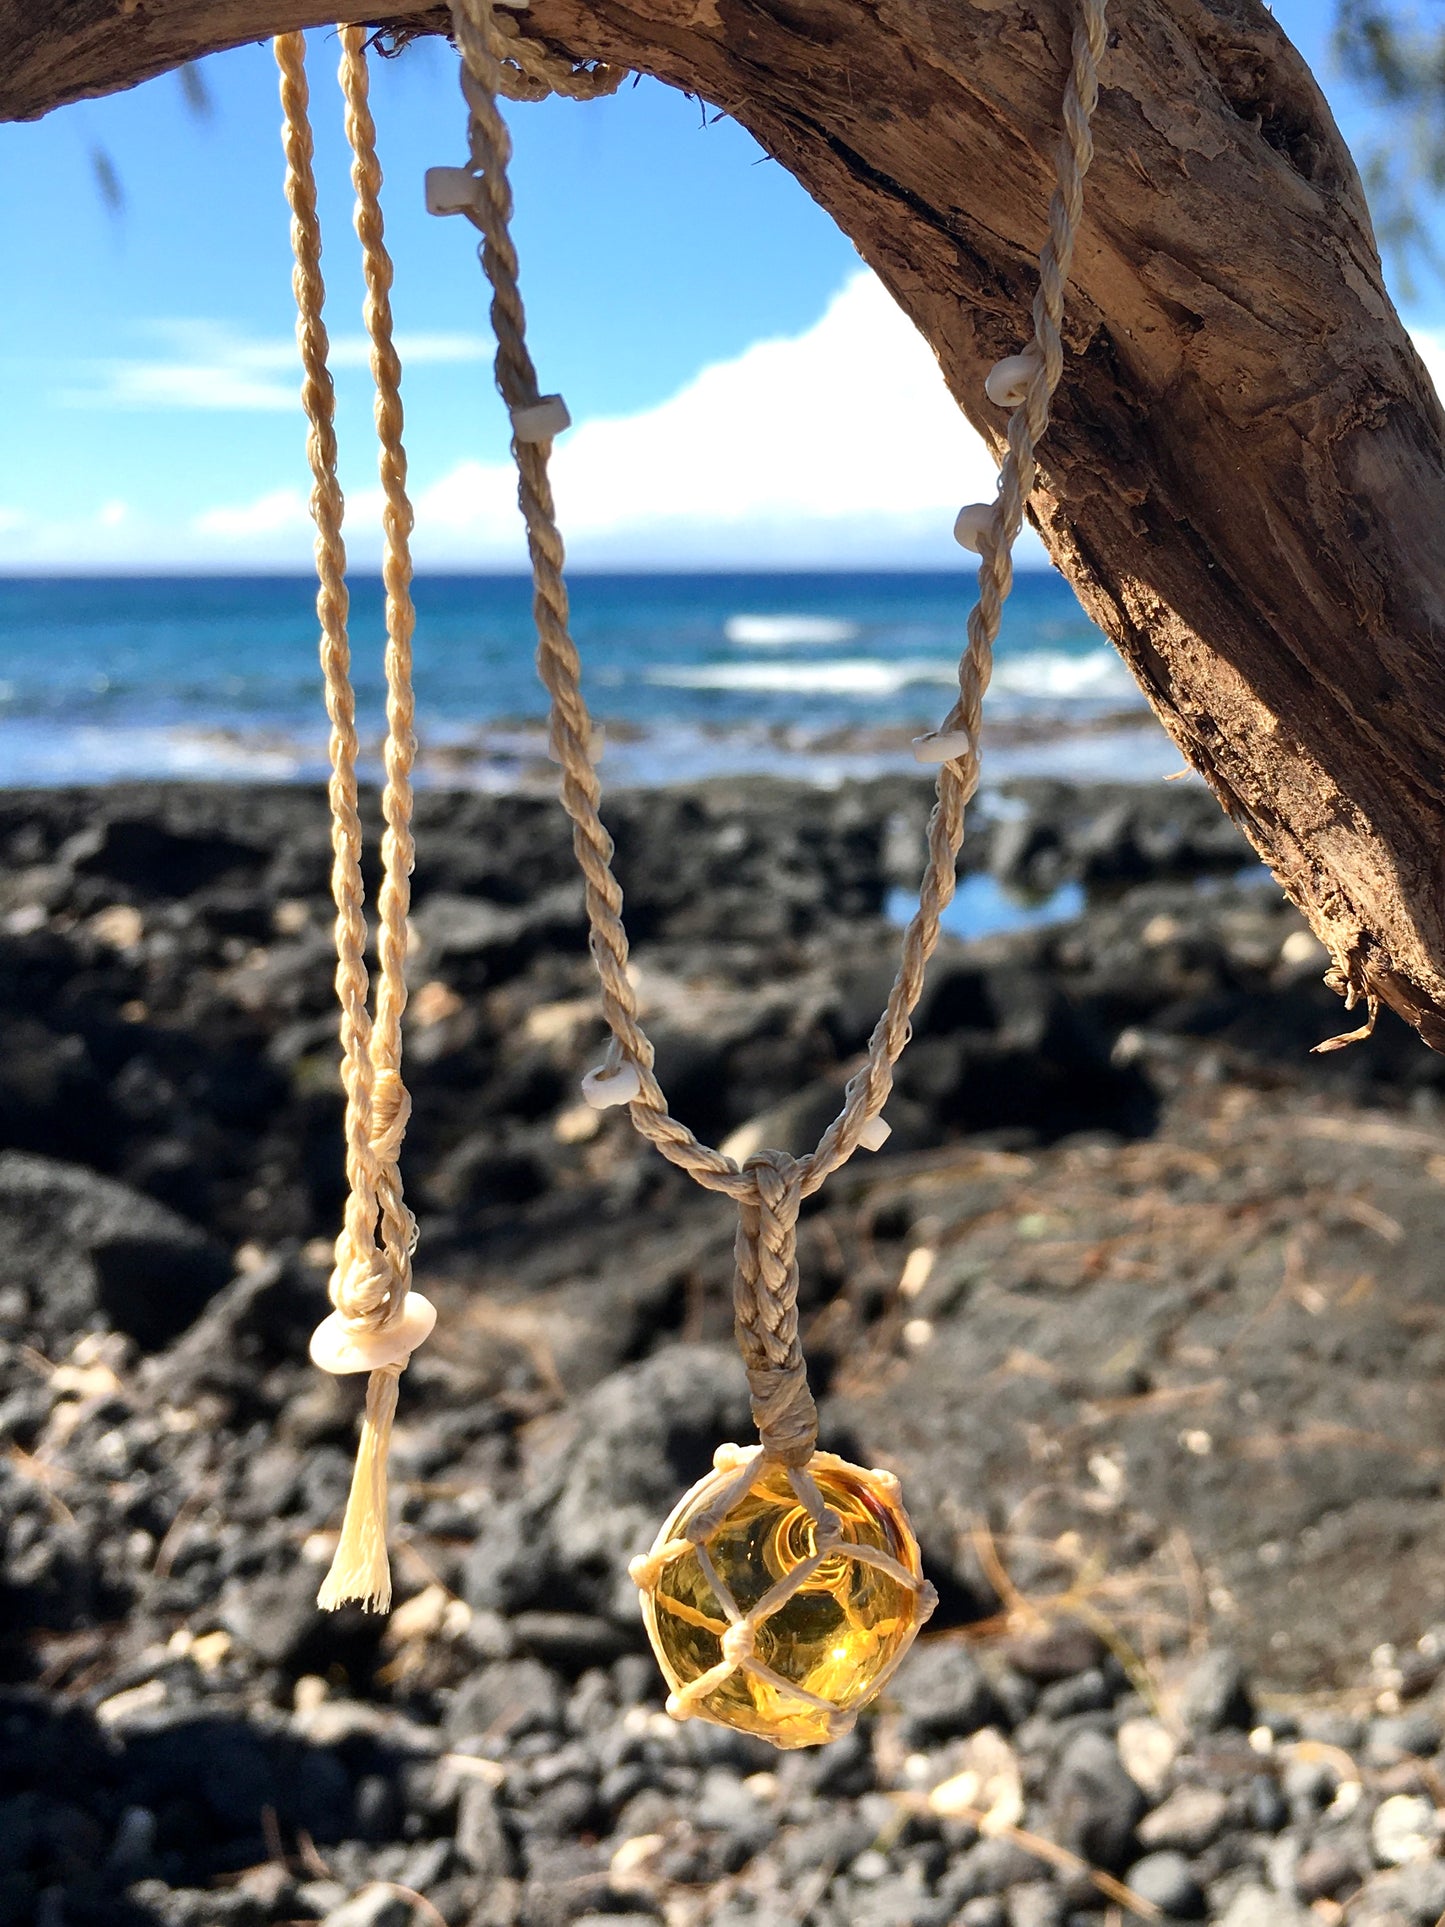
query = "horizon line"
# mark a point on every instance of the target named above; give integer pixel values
(580, 572)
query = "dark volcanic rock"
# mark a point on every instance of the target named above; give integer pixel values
(1140, 1301)
(944, 1694)
(1216, 1694)
(1093, 1803)
(1119, 833)
(88, 1252)
(600, 1485)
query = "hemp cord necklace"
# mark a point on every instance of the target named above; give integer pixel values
(787, 1585)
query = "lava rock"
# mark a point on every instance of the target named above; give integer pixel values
(1168, 1881)
(515, 1696)
(1255, 1906)
(88, 1252)
(602, 1488)
(1189, 1819)
(1215, 1695)
(1055, 1652)
(1325, 1871)
(482, 1838)
(943, 1694)
(1093, 1803)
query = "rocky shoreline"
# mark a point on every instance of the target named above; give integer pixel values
(1140, 1300)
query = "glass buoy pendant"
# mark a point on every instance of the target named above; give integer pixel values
(779, 1600)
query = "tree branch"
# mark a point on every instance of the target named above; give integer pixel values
(1245, 478)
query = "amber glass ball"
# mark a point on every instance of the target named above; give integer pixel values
(824, 1651)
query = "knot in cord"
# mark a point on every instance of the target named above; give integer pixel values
(521, 68)
(765, 1307)
(390, 1114)
(828, 1530)
(738, 1642)
(362, 1284)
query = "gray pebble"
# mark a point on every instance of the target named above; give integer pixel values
(1086, 1692)
(1256, 1906)
(990, 1868)
(375, 1906)
(1036, 1904)
(943, 1694)
(1057, 1652)
(1188, 1820)
(1268, 1809)
(1215, 1695)
(376, 1812)
(1168, 1881)
(1308, 1785)
(513, 1696)
(1323, 1872)
(987, 1910)
(481, 1838)
(1093, 1803)
(1405, 1736)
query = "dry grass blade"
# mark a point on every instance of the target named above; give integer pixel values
(1066, 1862)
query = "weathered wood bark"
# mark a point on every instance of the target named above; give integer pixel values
(1245, 479)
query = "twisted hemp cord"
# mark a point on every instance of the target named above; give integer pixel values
(769, 1190)
(372, 1274)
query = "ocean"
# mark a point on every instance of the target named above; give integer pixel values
(814, 675)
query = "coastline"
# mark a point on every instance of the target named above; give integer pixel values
(510, 755)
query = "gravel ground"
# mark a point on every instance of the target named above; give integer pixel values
(1140, 1302)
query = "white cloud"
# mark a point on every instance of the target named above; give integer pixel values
(839, 444)
(1430, 346)
(281, 512)
(285, 512)
(210, 366)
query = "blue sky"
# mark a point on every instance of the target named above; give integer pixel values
(706, 322)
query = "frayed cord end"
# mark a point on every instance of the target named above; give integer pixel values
(361, 1570)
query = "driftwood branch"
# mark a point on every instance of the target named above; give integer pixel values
(1245, 479)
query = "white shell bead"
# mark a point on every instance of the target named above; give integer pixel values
(971, 524)
(941, 746)
(1007, 382)
(543, 421)
(603, 1088)
(340, 1347)
(451, 190)
(875, 1134)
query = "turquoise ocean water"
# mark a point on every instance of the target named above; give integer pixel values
(820, 675)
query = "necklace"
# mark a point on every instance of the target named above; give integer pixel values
(787, 1585)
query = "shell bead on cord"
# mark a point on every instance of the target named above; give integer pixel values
(543, 421)
(1007, 382)
(779, 1602)
(875, 1134)
(339, 1345)
(605, 1087)
(451, 190)
(972, 524)
(939, 746)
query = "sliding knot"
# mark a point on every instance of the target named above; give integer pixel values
(390, 1114)
(765, 1308)
(362, 1285)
